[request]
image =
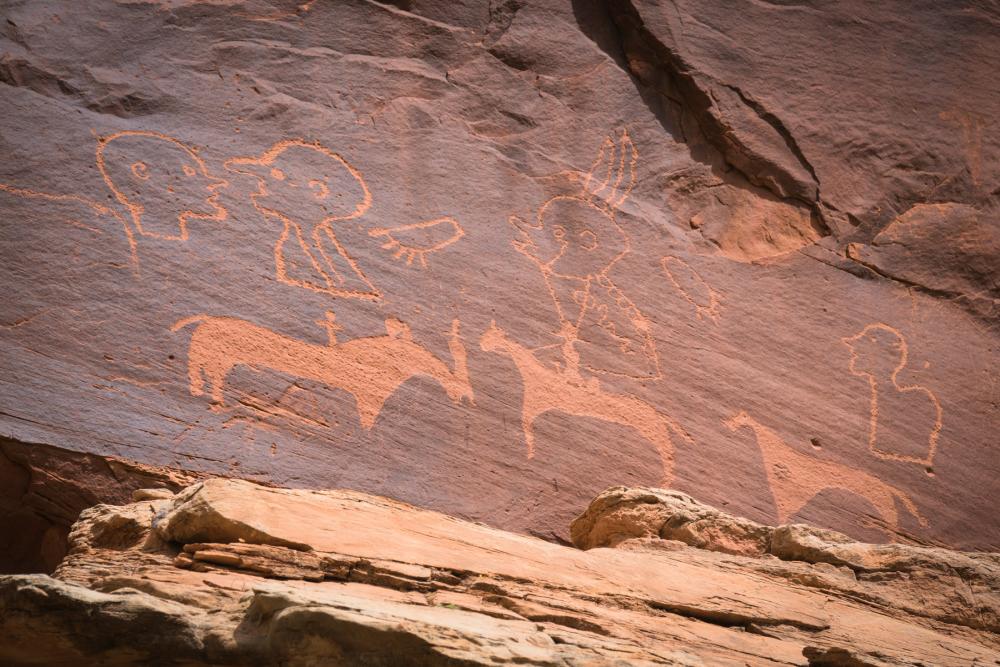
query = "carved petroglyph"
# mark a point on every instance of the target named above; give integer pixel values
(564, 390)
(692, 287)
(300, 184)
(416, 241)
(575, 241)
(370, 369)
(159, 181)
(796, 478)
(878, 354)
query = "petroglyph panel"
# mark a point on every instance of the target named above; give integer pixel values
(353, 237)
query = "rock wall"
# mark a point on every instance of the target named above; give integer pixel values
(492, 257)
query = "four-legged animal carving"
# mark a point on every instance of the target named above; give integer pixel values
(547, 388)
(796, 478)
(370, 369)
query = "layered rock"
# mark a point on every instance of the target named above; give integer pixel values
(228, 572)
(492, 257)
(43, 489)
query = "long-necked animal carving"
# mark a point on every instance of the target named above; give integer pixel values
(548, 388)
(796, 478)
(370, 369)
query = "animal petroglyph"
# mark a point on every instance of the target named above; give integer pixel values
(878, 354)
(796, 478)
(370, 369)
(420, 239)
(159, 181)
(564, 390)
(575, 241)
(300, 184)
(692, 287)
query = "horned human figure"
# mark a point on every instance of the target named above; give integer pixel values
(575, 241)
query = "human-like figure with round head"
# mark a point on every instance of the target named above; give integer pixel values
(575, 241)
(161, 182)
(310, 189)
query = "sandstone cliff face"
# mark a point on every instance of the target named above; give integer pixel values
(491, 257)
(228, 572)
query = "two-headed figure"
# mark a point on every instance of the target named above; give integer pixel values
(159, 186)
(164, 184)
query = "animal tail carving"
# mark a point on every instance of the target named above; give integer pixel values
(187, 321)
(195, 367)
(909, 505)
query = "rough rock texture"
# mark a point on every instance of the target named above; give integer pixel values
(43, 489)
(946, 585)
(228, 572)
(493, 256)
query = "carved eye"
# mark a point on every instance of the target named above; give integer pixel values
(188, 170)
(277, 174)
(140, 170)
(321, 191)
(588, 240)
(559, 233)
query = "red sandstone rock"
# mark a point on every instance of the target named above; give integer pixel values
(494, 257)
(370, 581)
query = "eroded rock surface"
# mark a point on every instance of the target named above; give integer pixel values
(43, 489)
(228, 572)
(492, 257)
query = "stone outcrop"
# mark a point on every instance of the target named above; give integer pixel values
(228, 572)
(43, 489)
(491, 257)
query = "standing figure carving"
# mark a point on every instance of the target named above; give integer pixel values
(575, 241)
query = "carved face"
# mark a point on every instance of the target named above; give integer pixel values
(878, 350)
(154, 174)
(576, 238)
(306, 182)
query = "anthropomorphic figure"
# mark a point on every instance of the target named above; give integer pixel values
(311, 190)
(575, 241)
(904, 420)
(162, 183)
